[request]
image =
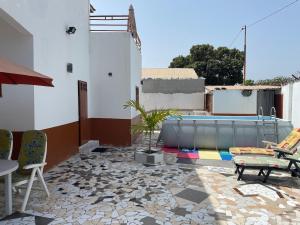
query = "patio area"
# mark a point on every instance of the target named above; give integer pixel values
(111, 188)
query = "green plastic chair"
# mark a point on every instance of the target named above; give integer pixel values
(6, 144)
(32, 159)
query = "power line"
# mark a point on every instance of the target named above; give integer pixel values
(272, 14)
(262, 19)
(235, 38)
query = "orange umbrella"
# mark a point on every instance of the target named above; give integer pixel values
(11, 73)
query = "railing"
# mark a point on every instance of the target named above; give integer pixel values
(116, 23)
(261, 112)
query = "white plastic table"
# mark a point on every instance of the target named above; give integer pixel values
(6, 169)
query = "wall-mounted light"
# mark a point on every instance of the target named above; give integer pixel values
(70, 68)
(71, 30)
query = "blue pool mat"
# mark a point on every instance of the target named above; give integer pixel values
(225, 155)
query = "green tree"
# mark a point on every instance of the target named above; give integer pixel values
(180, 61)
(220, 66)
(276, 81)
(249, 82)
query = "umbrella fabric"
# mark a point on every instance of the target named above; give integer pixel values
(11, 73)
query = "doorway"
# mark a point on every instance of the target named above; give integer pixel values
(279, 105)
(83, 113)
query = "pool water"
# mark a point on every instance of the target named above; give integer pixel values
(247, 118)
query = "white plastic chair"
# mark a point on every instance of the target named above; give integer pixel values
(32, 157)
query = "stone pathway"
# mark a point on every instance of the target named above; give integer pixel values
(111, 188)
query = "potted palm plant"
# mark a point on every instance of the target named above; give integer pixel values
(148, 124)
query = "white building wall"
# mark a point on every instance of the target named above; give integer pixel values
(287, 92)
(16, 105)
(52, 50)
(233, 102)
(291, 107)
(110, 53)
(296, 105)
(135, 73)
(180, 101)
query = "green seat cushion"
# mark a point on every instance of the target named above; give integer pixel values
(5, 143)
(296, 156)
(259, 161)
(32, 151)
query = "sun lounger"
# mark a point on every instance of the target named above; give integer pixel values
(266, 164)
(295, 161)
(286, 147)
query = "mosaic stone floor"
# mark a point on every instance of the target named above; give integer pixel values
(111, 188)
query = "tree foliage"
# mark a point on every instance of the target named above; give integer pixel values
(220, 66)
(276, 81)
(249, 82)
(149, 120)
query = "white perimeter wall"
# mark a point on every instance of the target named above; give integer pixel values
(135, 73)
(52, 50)
(180, 101)
(287, 92)
(296, 105)
(291, 106)
(233, 102)
(116, 53)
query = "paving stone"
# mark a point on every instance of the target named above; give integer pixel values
(149, 221)
(180, 211)
(192, 195)
(111, 188)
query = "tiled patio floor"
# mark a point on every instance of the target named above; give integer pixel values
(110, 188)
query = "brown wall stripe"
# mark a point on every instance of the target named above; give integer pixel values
(63, 140)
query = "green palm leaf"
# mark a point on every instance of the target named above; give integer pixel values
(149, 120)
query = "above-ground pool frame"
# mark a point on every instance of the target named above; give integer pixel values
(234, 126)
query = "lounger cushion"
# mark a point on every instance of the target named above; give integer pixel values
(288, 145)
(291, 141)
(251, 150)
(296, 156)
(259, 161)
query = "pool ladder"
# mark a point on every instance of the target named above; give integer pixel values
(270, 127)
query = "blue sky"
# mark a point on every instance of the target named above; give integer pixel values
(169, 28)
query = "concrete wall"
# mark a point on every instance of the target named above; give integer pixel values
(173, 86)
(180, 101)
(52, 50)
(17, 103)
(135, 72)
(296, 105)
(291, 108)
(114, 53)
(287, 92)
(233, 102)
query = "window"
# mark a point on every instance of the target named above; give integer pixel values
(137, 94)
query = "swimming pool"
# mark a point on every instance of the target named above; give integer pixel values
(222, 132)
(195, 117)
